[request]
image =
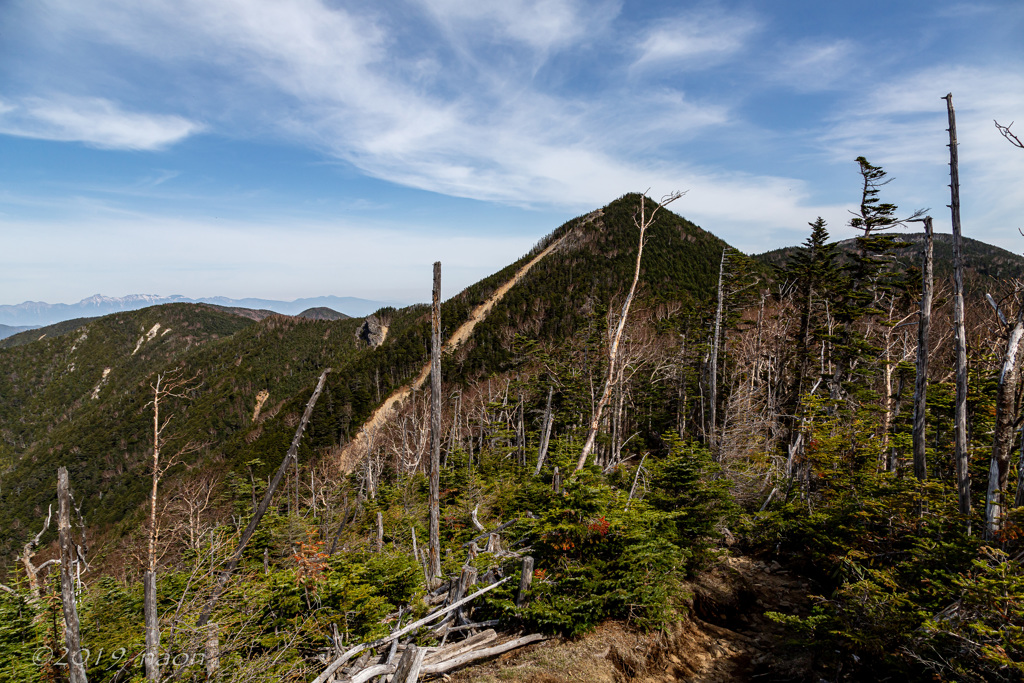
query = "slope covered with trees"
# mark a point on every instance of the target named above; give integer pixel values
(753, 410)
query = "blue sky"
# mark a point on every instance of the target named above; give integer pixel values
(291, 148)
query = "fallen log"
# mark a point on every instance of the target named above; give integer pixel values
(476, 655)
(471, 643)
(340, 661)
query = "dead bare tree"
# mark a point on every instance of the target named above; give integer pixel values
(923, 332)
(434, 552)
(76, 667)
(545, 433)
(31, 569)
(291, 456)
(642, 222)
(715, 350)
(1007, 422)
(963, 476)
(170, 384)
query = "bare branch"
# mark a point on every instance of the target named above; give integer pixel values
(1006, 133)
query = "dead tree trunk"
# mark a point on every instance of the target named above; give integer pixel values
(963, 480)
(713, 379)
(643, 222)
(292, 455)
(545, 433)
(924, 322)
(151, 619)
(380, 532)
(1006, 426)
(31, 570)
(434, 552)
(525, 580)
(76, 668)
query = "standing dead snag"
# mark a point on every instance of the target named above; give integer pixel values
(31, 570)
(963, 480)
(434, 551)
(76, 668)
(1007, 408)
(713, 403)
(923, 330)
(292, 455)
(545, 433)
(168, 385)
(642, 222)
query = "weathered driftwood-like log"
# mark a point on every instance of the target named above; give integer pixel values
(469, 644)
(466, 581)
(76, 669)
(339, 662)
(525, 580)
(476, 655)
(409, 665)
(290, 456)
(438, 661)
(475, 625)
(434, 556)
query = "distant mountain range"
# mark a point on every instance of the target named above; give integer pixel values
(32, 314)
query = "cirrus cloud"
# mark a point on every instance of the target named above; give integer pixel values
(93, 121)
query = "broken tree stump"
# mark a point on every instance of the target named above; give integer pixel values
(525, 580)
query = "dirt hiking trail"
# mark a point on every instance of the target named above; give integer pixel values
(724, 637)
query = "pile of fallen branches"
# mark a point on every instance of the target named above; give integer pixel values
(399, 659)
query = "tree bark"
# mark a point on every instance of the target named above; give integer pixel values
(152, 620)
(434, 556)
(409, 665)
(213, 651)
(76, 668)
(291, 455)
(525, 580)
(963, 479)
(924, 322)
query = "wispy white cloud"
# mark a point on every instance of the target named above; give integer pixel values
(94, 121)
(809, 66)
(544, 25)
(696, 40)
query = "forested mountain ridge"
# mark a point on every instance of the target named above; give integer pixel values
(768, 412)
(985, 265)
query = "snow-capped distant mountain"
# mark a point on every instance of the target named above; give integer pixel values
(37, 313)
